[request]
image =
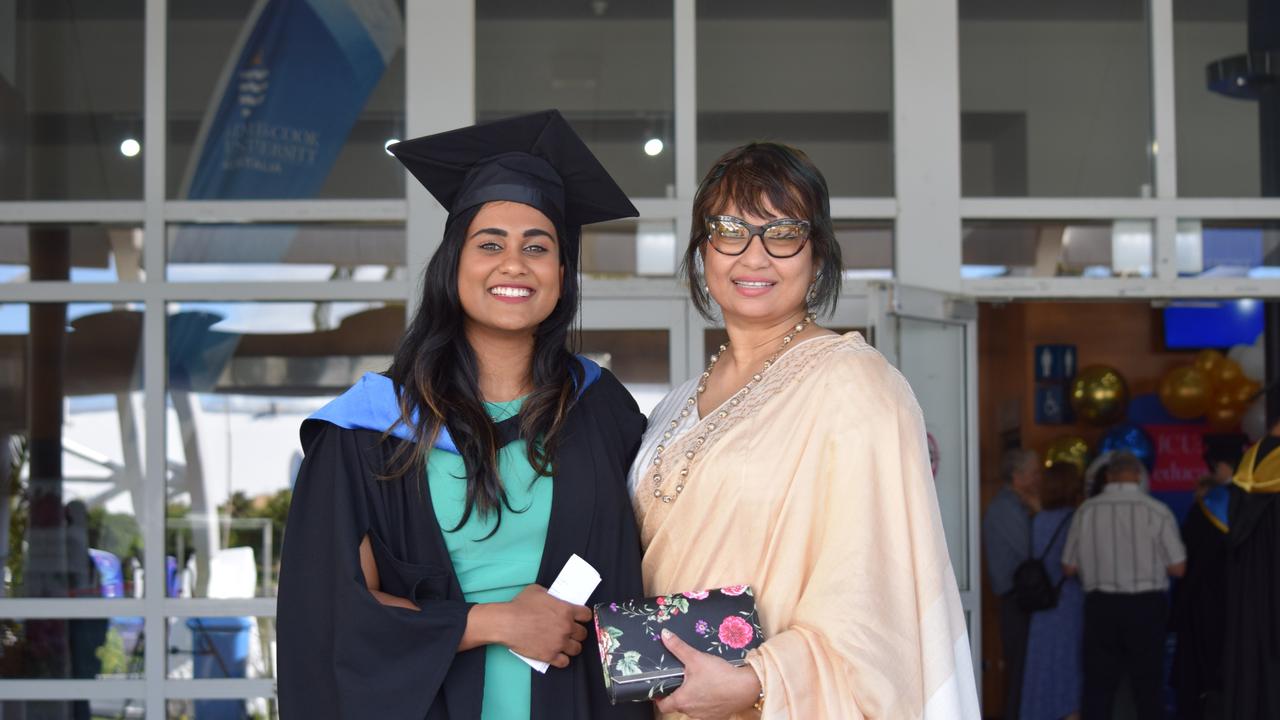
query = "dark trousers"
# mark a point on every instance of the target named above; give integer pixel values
(1014, 628)
(1124, 635)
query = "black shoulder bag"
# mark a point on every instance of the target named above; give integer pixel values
(1032, 588)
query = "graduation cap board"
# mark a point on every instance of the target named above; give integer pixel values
(534, 159)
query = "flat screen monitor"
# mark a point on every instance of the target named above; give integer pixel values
(1196, 324)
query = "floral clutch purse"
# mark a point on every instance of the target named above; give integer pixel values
(637, 666)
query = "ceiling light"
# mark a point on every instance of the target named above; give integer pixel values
(653, 147)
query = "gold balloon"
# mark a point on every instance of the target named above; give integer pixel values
(1227, 374)
(1185, 392)
(1069, 449)
(1208, 361)
(1224, 413)
(1244, 391)
(1099, 395)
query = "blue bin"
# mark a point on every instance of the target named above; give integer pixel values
(220, 646)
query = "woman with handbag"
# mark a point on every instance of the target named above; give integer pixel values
(797, 464)
(1053, 676)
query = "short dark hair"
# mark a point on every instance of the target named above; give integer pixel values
(1224, 448)
(748, 176)
(1062, 486)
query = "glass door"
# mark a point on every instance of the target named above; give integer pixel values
(932, 338)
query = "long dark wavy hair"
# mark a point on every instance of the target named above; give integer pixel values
(437, 379)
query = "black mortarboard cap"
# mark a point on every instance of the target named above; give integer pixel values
(534, 159)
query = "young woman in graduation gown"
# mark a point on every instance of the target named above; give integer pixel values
(437, 501)
(797, 464)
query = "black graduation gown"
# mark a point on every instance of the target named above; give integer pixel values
(1251, 670)
(342, 654)
(1198, 614)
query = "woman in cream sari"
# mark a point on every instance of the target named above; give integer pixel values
(797, 464)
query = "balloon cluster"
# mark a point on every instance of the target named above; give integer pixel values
(1216, 387)
(1125, 436)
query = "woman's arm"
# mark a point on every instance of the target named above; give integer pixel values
(371, 580)
(534, 624)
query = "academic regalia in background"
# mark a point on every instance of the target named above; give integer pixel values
(344, 654)
(1251, 669)
(1198, 614)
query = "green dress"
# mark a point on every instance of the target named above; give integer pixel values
(498, 568)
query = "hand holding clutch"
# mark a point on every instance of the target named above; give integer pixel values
(712, 688)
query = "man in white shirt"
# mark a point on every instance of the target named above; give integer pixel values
(1124, 544)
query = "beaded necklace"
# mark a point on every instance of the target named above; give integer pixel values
(691, 404)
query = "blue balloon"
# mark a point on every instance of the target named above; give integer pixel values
(1127, 436)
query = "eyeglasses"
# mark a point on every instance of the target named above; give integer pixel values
(783, 238)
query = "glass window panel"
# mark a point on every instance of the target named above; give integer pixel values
(242, 378)
(72, 649)
(814, 74)
(260, 112)
(222, 647)
(1055, 98)
(79, 253)
(1228, 248)
(1056, 248)
(1219, 143)
(256, 708)
(939, 385)
(286, 252)
(641, 359)
(866, 247)
(97, 708)
(629, 247)
(71, 450)
(71, 100)
(608, 66)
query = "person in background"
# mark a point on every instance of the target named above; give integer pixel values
(85, 635)
(1124, 545)
(1197, 613)
(1052, 674)
(1251, 664)
(1006, 539)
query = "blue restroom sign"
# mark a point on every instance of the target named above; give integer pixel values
(1054, 363)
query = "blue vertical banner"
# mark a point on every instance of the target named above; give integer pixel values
(293, 89)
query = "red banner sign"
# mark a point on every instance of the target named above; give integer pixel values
(1179, 456)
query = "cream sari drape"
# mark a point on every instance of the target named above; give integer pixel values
(816, 491)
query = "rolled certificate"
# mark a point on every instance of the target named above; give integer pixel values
(575, 583)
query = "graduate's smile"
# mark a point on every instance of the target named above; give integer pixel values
(511, 293)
